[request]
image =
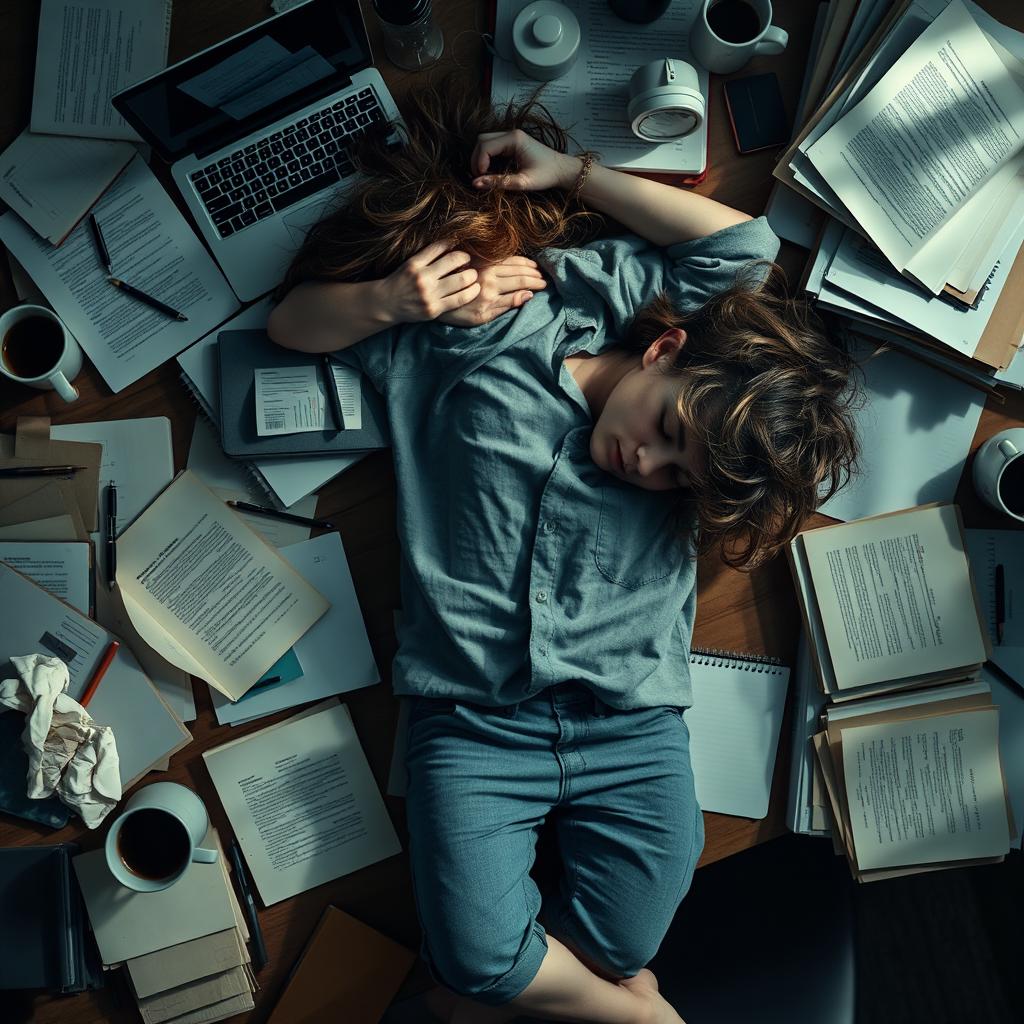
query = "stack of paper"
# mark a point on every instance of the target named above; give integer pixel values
(911, 162)
(915, 781)
(889, 602)
(184, 948)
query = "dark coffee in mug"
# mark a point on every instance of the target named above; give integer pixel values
(735, 21)
(153, 844)
(33, 346)
(1011, 486)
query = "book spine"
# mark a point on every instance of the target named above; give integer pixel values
(730, 659)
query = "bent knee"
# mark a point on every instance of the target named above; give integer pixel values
(488, 973)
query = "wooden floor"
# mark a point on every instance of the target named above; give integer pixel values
(755, 612)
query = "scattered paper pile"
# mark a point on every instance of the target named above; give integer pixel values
(906, 180)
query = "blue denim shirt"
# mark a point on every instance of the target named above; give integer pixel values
(523, 564)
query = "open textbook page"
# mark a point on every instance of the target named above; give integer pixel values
(208, 594)
(926, 791)
(89, 50)
(895, 596)
(939, 124)
(152, 247)
(590, 99)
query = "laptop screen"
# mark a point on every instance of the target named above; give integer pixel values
(250, 80)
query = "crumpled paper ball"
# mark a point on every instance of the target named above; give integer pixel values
(68, 754)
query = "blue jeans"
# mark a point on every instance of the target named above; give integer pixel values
(482, 780)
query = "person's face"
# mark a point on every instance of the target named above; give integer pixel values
(638, 436)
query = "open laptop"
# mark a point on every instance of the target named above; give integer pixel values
(258, 129)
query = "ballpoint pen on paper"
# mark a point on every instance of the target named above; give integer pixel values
(101, 244)
(273, 513)
(331, 388)
(111, 525)
(1000, 603)
(101, 671)
(11, 471)
(259, 953)
(137, 293)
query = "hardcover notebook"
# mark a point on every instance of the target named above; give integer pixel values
(42, 922)
(240, 354)
(734, 723)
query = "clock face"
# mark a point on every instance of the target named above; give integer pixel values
(666, 125)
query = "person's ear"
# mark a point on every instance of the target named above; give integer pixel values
(665, 347)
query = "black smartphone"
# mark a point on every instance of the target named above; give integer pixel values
(756, 112)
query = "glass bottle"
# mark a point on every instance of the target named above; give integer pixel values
(411, 39)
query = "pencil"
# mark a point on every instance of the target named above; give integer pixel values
(101, 671)
(137, 293)
(273, 513)
(101, 244)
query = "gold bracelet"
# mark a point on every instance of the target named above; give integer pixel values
(581, 178)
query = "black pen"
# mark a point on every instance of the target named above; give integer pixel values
(13, 471)
(1000, 603)
(111, 533)
(331, 387)
(259, 953)
(288, 517)
(101, 245)
(135, 293)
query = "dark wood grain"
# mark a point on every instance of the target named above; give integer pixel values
(755, 612)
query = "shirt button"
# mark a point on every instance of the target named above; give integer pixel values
(549, 526)
(541, 596)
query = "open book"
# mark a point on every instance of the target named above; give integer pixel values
(889, 602)
(207, 593)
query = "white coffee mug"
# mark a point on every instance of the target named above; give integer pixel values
(724, 55)
(64, 363)
(998, 472)
(151, 853)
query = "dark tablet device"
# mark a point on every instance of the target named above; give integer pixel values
(756, 112)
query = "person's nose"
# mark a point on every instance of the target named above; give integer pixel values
(649, 460)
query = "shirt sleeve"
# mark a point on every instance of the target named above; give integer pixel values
(614, 278)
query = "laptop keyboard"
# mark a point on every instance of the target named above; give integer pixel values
(290, 165)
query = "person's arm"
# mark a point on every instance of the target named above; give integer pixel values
(660, 213)
(319, 316)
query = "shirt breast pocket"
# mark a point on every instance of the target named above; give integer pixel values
(637, 536)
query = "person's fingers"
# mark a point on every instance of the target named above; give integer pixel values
(516, 182)
(512, 283)
(448, 262)
(457, 299)
(515, 261)
(456, 282)
(490, 144)
(521, 297)
(427, 255)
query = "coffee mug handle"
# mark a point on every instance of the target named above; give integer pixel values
(1008, 449)
(773, 41)
(201, 856)
(63, 387)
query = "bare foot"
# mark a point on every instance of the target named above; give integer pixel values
(657, 1009)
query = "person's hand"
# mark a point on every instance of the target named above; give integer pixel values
(429, 284)
(503, 286)
(537, 166)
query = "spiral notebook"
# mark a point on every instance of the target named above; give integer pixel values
(738, 703)
(284, 481)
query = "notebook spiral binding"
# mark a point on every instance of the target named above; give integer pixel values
(730, 659)
(250, 470)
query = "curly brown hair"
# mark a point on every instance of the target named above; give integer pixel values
(414, 194)
(771, 396)
(760, 383)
